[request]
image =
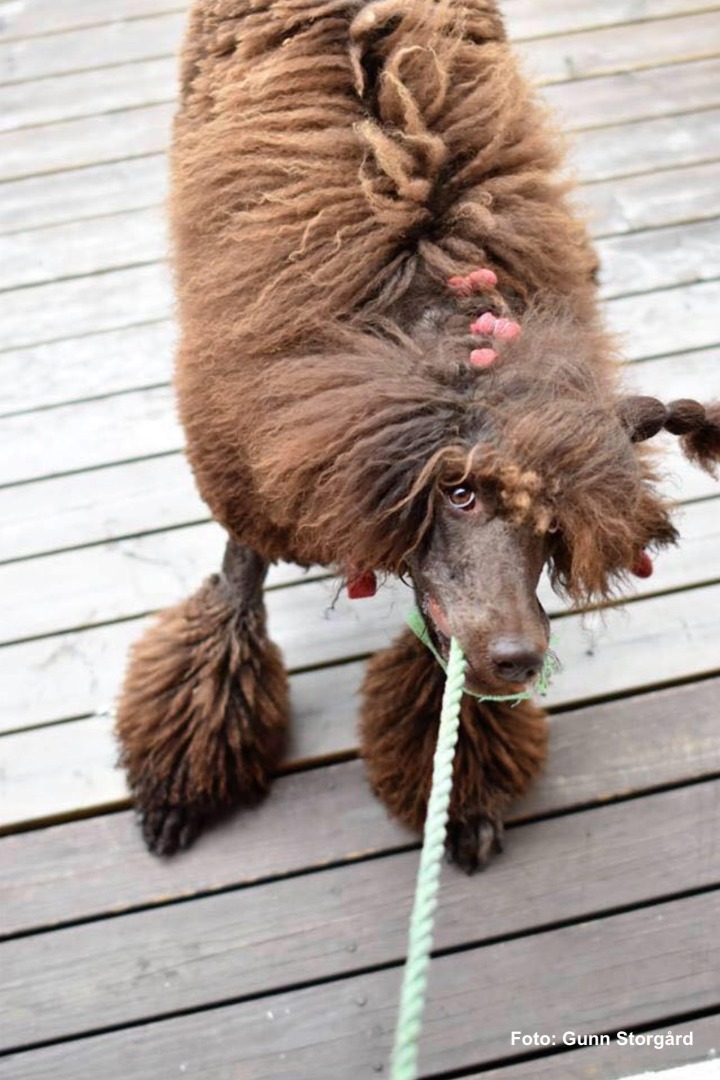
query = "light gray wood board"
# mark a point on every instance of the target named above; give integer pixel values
(40, 17)
(81, 436)
(154, 34)
(619, 48)
(152, 571)
(84, 305)
(652, 641)
(635, 95)
(137, 424)
(352, 918)
(76, 143)
(666, 321)
(103, 504)
(155, 493)
(87, 93)
(82, 247)
(643, 147)
(94, 365)
(621, 971)
(126, 578)
(622, 1061)
(658, 258)
(105, 44)
(83, 194)
(669, 197)
(90, 867)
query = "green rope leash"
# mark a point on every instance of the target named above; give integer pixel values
(420, 936)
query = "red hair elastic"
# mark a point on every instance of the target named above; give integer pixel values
(362, 586)
(643, 567)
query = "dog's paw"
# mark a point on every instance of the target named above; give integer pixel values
(470, 844)
(167, 829)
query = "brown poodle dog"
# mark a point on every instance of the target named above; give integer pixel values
(391, 361)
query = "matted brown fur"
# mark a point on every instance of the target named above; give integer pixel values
(334, 163)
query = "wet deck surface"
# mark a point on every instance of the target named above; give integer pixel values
(274, 948)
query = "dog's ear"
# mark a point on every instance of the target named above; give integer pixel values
(696, 425)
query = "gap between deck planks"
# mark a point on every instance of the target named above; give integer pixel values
(350, 918)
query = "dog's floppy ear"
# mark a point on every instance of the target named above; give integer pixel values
(696, 425)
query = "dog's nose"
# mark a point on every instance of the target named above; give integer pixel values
(515, 660)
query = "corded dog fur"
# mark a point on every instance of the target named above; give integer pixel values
(335, 164)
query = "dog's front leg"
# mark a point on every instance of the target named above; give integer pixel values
(500, 750)
(204, 710)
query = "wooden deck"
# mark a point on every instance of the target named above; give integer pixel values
(274, 948)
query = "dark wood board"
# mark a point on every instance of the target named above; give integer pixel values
(328, 924)
(99, 865)
(611, 973)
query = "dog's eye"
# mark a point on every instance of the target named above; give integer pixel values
(554, 526)
(461, 498)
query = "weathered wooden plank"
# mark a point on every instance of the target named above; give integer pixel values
(626, 970)
(155, 493)
(602, 52)
(557, 16)
(87, 93)
(82, 194)
(77, 248)
(350, 918)
(39, 17)
(103, 504)
(641, 262)
(667, 321)
(140, 574)
(94, 365)
(78, 673)
(106, 430)
(88, 141)
(65, 309)
(89, 867)
(662, 143)
(100, 44)
(652, 200)
(635, 95)
(127, 578)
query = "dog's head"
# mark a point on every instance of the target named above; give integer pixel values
(471, 481)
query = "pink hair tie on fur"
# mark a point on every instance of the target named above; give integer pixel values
(492, 326)
(475, 281)
(483, 357)
(362, 586)
(643, 568)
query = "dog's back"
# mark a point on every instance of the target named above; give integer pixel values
(328, 156)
